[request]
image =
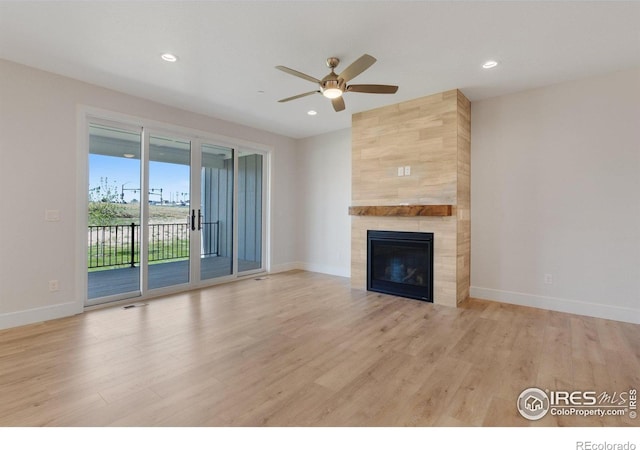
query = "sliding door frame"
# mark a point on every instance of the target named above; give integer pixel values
(88, 115)
(129, 127)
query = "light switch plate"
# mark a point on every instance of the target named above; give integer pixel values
(52, 215)
(400, 171)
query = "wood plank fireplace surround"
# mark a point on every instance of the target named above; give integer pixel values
(431, 135)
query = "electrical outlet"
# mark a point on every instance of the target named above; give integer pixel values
(53, 286)
(548, 278)
(407, 171)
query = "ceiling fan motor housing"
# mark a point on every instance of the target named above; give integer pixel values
(333, 62)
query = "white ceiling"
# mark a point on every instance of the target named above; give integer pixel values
(228, 50)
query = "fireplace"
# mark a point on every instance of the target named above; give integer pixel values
(400, 263)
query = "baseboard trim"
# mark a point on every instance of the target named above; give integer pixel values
(285, 267)
(618, 313)
(35, 315)
(311, 267)
(326, 269)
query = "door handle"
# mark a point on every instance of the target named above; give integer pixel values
(199, 220)
(193, 220)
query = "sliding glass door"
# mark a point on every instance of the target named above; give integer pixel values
(168, 212)
(114, 200)
(216, 212)
(168, 220)
(250, 211)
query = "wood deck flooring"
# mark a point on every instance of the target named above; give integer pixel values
(303, 349)
(103, 283)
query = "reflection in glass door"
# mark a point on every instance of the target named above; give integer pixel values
(216, 212)
(169, 218)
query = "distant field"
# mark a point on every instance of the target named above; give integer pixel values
(157, 214)
(168, 214)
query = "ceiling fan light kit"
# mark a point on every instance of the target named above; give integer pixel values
(333, 86)
(332, 90)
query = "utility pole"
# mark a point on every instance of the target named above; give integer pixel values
(153, 191)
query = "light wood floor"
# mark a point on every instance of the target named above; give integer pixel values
(303, 349)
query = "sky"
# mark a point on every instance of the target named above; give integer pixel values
(121, 173)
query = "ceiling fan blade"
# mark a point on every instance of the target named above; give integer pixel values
(298, 74)
(357, 67)
(338, 104)
(373, 88)
(288, 99)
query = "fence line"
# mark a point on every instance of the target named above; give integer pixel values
(119, 245)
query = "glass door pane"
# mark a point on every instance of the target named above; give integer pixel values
(113, 235)
(250, 226)
(168, 230)
(216, 208)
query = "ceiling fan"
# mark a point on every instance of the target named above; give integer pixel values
(333, 85)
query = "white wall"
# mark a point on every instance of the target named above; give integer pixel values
(324, 174)
(555, 189)
(38, 140)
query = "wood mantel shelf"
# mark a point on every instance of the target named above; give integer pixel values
(402, 210)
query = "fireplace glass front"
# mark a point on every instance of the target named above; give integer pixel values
(400, 263)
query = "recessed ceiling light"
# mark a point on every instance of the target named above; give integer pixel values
(128, 155)
(169, 57)
(490, 64)
(312, 112)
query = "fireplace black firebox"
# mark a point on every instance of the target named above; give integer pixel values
(400, 263)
